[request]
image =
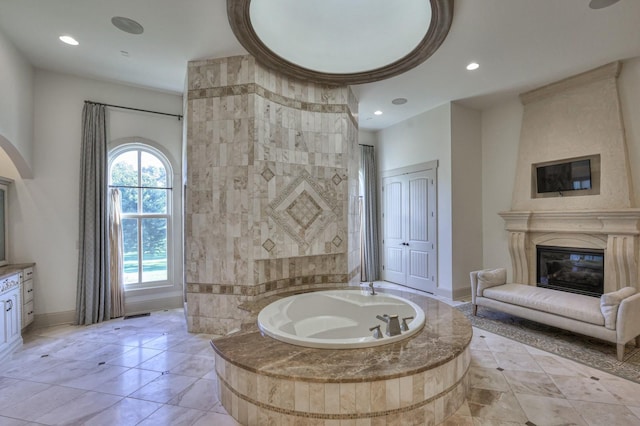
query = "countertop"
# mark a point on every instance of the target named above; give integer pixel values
(13, 268)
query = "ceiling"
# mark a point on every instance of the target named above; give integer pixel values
(519, 44)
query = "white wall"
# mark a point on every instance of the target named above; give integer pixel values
(16, 108)
(420, 139)
(44, 210)
(500, 140)
(466, 173)
(367, 137)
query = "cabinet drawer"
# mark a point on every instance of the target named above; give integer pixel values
(27, 314)
(27, 291)
(27, 274)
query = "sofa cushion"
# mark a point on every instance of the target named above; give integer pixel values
(609, 303)
(569, 305)
(490, 278)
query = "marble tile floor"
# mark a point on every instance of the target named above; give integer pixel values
(151, 371)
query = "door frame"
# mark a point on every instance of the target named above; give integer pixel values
(420, 167)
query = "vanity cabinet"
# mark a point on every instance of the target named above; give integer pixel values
(10, 317)
(26, 278)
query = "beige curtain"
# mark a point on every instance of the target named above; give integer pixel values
(116, 267)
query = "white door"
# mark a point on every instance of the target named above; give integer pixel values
(409, 213)
(394, 267)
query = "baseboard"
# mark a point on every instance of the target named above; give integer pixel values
(457, 294)
(157, 304)
(462, 293)
(53, 318)
(69, 317)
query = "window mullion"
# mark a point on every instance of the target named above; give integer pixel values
(140, 251)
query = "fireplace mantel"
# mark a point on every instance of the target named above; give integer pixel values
(617, 232)
(626, 221)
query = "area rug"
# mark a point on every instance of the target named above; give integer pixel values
(592, 352)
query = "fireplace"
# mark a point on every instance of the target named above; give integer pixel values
(574, 270)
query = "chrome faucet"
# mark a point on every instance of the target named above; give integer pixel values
(377, 334)
(393, 324)
(404, 326)
(373, 291)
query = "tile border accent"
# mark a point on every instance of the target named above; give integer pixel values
(254, 88)
(268, 286)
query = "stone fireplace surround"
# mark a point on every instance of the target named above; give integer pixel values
(614, 231)
(572, 118)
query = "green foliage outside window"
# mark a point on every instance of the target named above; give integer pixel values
(146, 187)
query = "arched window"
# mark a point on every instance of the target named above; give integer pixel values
(143, 176)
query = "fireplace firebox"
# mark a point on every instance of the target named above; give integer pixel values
(575, 270)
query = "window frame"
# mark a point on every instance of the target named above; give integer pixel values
(168, 215)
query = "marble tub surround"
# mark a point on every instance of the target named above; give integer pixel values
(272, 188)
(227, 307)
(422, 379)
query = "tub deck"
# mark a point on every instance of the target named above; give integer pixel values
(445, 335)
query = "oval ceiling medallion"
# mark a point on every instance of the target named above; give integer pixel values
(338, 42)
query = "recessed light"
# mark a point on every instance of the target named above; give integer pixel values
(473, 66)
(399, 101)
(127, 25)
(69, 40)
(378, 112)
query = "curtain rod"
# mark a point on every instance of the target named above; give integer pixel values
(136, 109)
(361, 144)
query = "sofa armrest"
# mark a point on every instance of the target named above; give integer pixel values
(486, 278)
(628, 322)
(474, 285)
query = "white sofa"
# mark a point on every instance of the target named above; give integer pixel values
(614, 317)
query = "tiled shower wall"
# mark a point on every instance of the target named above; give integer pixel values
(272, 188)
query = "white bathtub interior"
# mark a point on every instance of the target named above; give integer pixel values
(337, 319)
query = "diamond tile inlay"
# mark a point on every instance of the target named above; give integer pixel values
(304, 210)
(337, 241)
(336, 179)
(267, 174)
(268, 245)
